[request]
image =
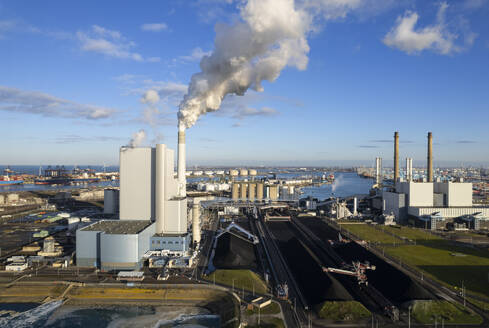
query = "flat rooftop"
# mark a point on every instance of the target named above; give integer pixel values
(119, 227)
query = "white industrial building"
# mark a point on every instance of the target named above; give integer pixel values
(152, 212)
(427, 200)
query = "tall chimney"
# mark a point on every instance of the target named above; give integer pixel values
(409, 169)
(378, 171)
(160, 187)
(182, 183)
(196, 222)
(396, 156)
(430, 157)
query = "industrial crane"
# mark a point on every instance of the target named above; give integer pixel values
(357, 269)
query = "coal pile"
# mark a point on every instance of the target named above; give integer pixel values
(315, 285)
(233, 252)
(392, 283)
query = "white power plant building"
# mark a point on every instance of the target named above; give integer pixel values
(428, 199)
(152, 212)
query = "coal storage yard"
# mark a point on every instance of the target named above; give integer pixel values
(392, 283)
(234, 253)
(315, 285)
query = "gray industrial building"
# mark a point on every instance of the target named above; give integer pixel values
(114, 244)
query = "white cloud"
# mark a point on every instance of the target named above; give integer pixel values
(154, 27)
(110, 43)
(196, 55)
(242, 113)
(33, 102)
(150, 97)
(406, 37)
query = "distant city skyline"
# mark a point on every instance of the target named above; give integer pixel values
(75, 77)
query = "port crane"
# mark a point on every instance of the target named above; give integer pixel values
(356, 269)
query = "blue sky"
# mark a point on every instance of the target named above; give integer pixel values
(73, 75)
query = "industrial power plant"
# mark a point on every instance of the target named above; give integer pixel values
(152, 216)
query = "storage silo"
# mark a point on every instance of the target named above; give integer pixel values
(252, 172)
(233, 173)
(252, 191)
(243, 172)
(243, 192)
(259, 190)
(273, 192)
(235, 191)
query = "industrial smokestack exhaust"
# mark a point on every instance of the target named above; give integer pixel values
(430, 157)
(182, 183)
(396, 156)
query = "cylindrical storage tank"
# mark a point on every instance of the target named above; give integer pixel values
(252, 191)
(291, 190)
(196, 223)
(111, 201)
(252, 172)
(274, 192)
(244, 189)
(243, 172)
(233, 173)
(259, 190)
(160, 187)
(235, 191)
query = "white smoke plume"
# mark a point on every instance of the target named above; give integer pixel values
(137, 138)
(270, 36)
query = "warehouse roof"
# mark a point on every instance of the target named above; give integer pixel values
(119, 227)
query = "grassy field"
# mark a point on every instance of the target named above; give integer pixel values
(448, 264)
(33, 293)
(243, 279)
(190, 294)
(481, 305)
(369, 233)
(410, 233)
(343, 311)
(427, 312)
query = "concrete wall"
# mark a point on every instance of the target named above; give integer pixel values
(395, 203)
(175, 216)
(137, 170)
(448, 212)
(457, 193)
(144, 240)
(87, 248)
(111, 201)
(119, 252)
(171, 243)
(420, 193)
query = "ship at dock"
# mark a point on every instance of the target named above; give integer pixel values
(8, 179)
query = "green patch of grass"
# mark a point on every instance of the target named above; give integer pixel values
(436, 258)
(410, 233)
(272, 308)
(484, 306)
(343, 311)
(243, 279)
(269, 323)
(427, 312)
(369, 233)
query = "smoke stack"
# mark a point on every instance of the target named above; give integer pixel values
(409, 169)
(378, 171)
(396, 156)
(182, 184)
(430, 157)
(196, 222)
(160, 187)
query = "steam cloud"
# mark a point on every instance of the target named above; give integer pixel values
(137, 138)
(270, 36)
